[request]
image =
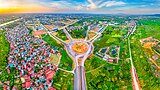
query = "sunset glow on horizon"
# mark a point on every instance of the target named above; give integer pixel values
(32, 9)
(15, 6)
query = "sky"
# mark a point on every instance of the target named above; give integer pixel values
(81, 6)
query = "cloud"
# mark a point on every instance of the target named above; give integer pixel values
(99, 4)
(79, 8)
(92, 5)
(112, 3)
(61, 6)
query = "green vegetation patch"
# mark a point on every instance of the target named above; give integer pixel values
(93, 63)
(51, 41)
(4, 50)
(149, 28)
(140, 59)
(63, 80)
(109, 77)
(66, 62)
(79, 33)
(61, 35)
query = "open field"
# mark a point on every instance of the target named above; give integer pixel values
(63, 80)
(54, 59)
(51, 41)
(79, 33)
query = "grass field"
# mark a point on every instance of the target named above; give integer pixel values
(51, 41)
(66, 62)
(63, 80)
(54, 59)
(79, 33)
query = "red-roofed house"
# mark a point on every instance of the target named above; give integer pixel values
(15, 88)
(8, 70)
(28, 84)
(5, 87)
(51, 88)
(49, 74)
(27, 78)
(41, 87)
(110, 59)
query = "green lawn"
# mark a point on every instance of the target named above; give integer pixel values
(66, 62)
(93, 63)
(30, 31)
(109, 37)
(79, 33)
(51, 41)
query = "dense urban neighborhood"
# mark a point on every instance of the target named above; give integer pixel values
(80, 52)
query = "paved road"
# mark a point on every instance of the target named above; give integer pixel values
(68, 35)
(98, 34)
(4, 24)
(79, 72)
(68, 25)
(53, 36)
(79, 78)
(135, 83)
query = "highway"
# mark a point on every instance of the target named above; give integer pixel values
(79, 78)
(4, 24)
(79, 75)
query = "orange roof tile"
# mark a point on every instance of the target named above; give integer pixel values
(39, 32)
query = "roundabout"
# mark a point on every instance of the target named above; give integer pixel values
(80, 47)
(79, 50)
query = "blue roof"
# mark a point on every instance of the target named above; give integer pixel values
(11, 65)
(103, 50)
